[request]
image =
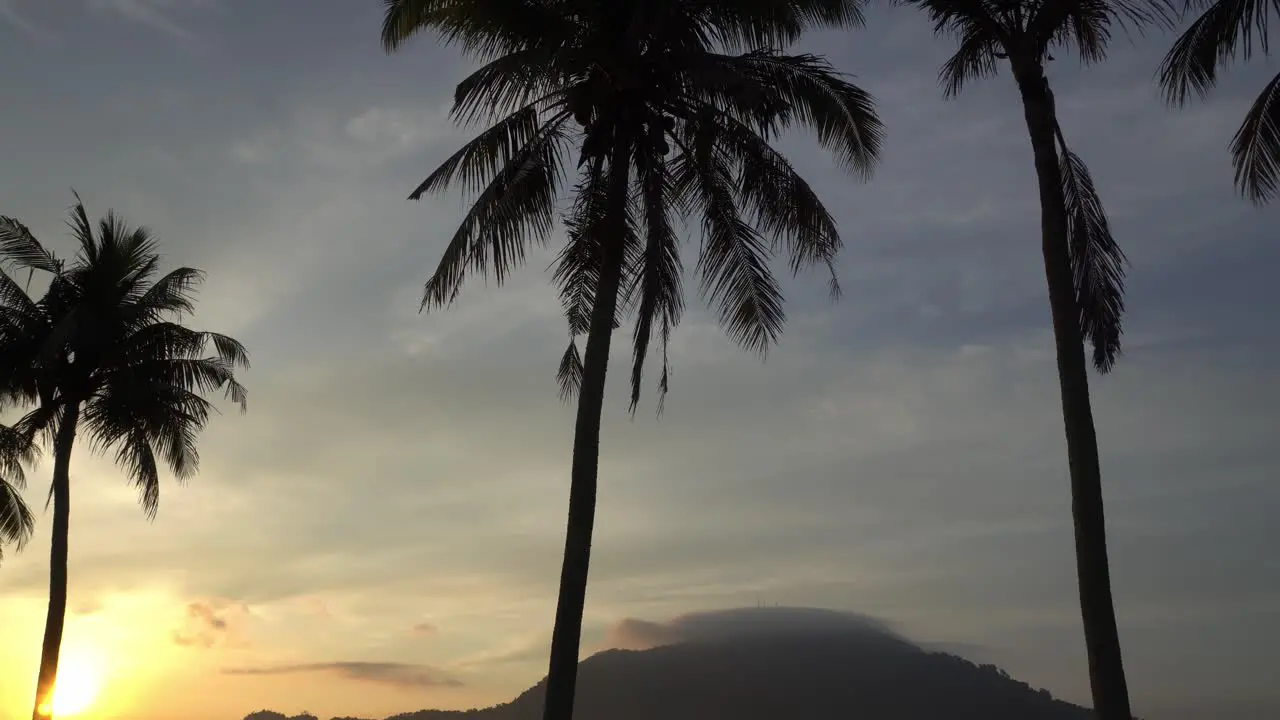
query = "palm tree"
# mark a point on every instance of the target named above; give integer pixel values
(104, 352)
(655, 111)
(1227, 29)
(1083, 263)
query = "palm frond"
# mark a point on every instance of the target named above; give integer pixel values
(41, 423)
(172, 293)
(135, 454)
(809, 93)
(1087, 25)
(229, 351)
(82, 229)
(569, 373)
(733, 262)
(773, 23)
(17, 522)
(974, 58)
(576, 270)
(1098, 263)
(532, 79)
(18, 449)
(483, 28)
(147, 410)
(656, 278)
(964, 17)
(1255, 149)
(402, 19)
(476, 164)
(776, 198)
(1227, 30)
(515, 209)
(20, 250)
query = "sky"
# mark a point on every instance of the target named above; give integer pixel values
(381, 532)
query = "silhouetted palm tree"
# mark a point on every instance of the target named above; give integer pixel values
(1083, 264)
(659, 110)
(1228, 29)
(103, 352)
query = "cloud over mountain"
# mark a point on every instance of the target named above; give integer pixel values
(402, 675)
(745, 623)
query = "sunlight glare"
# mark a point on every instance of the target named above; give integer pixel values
(79, 682)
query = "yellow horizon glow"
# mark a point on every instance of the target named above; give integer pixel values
(80, 681)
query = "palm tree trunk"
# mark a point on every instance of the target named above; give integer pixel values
(1102, 638)
(566, 637)
(53, 624)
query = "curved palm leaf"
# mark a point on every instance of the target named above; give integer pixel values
(1255, 149)
(1098, 263)
(20, 250)
(16, 520)
(1227, 30)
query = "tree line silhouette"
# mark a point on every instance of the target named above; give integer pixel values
(643, 113)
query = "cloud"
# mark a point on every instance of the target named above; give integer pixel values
(10, 14)
(424, 629)
(517, 652)
(399, 675)
(209, 623)
(89, 607)
(155, 14)
(745, 623)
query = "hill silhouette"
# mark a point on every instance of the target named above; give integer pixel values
(797, 666)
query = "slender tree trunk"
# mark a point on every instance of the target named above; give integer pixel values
(1102, 638)
(47, 678)
(562, 675)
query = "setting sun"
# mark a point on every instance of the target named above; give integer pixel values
(78, 685)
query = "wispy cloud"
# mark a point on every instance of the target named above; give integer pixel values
(210, 623)
(401, 675)
(736, 623)
(156, 14)
(10, 14)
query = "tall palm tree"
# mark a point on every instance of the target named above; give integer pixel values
(654, 111)
(104, 352)
(1083, 263)
(1225, 30)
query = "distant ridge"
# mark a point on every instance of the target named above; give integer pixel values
(793, 666)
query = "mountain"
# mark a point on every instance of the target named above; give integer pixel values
(792, 672)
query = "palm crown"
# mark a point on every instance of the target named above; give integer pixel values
(1225, 30)
(1025, 33)
(661, 94)
(105, 345)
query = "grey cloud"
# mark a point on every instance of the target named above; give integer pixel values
(208, 624)
(520, 652)
(744, 623)
(10, 14)
(155, 14)
(401, 675)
